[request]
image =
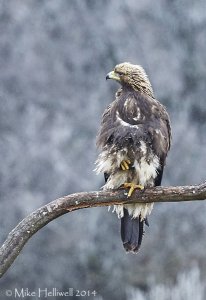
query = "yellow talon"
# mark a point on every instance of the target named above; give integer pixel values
(125, 164)
(122, 166)
(132, 187)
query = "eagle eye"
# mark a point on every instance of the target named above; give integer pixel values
(120, 73)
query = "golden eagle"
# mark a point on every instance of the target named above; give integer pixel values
(134, 139)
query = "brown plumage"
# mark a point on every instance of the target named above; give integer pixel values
(134, 140)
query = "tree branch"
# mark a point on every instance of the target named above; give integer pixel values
(18, 237)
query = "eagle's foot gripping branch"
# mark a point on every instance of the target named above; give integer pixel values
(132, 187)
(125, 164)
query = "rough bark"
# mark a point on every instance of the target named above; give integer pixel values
(18, 237)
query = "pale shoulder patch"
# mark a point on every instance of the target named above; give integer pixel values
(138, 116)
(123, 123)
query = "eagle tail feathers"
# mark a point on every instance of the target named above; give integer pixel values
(132, 231)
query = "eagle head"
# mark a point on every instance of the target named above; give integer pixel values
(133, 76)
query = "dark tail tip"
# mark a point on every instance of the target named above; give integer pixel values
(132, 231)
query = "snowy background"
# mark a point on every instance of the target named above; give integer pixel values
(54, 56)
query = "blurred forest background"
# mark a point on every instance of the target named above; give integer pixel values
(54, 56)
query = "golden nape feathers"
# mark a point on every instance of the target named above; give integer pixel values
(133, 76)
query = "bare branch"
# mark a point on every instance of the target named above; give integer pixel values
(18, 237)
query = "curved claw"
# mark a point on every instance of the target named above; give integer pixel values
(132, 187)
(125, 164)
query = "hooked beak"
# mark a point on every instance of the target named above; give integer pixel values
(113, 75)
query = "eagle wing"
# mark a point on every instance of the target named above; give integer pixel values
(133, 120)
